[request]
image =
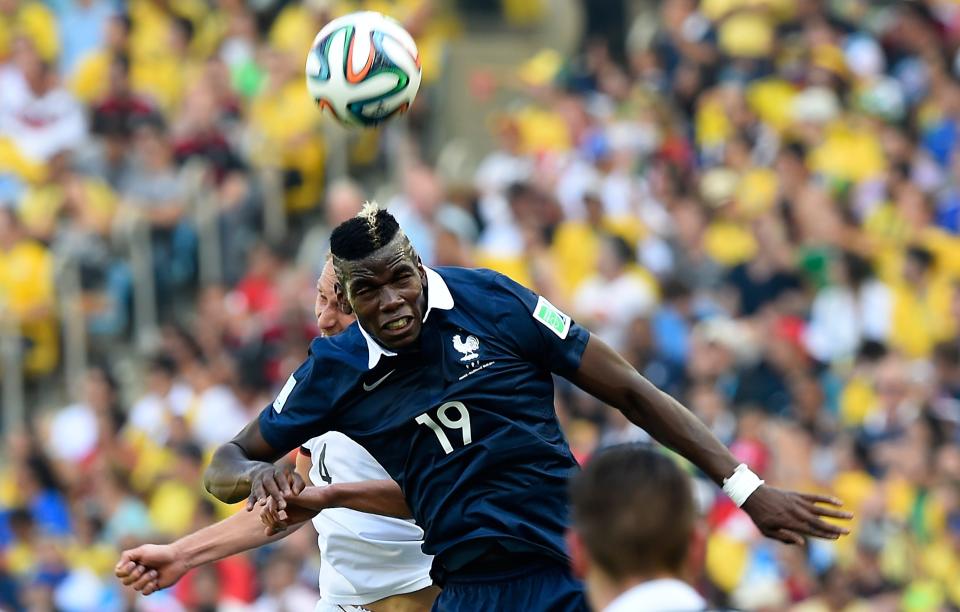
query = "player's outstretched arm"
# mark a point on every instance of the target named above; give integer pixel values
(243, 468)
(784, 515)
(382, 497)
(152, 567)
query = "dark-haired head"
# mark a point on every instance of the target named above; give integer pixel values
(611, 541)
(379, 277)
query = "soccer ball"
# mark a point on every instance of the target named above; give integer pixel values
(364, 68)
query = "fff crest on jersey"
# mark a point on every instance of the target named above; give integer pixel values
(468, 348)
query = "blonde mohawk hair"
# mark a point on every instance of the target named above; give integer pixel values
(369, 214)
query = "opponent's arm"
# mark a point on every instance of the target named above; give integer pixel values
(372, 496)
(152, 567)
(382, 497)
(783, 515)
(243, 467)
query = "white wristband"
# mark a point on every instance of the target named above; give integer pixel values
(741, 484)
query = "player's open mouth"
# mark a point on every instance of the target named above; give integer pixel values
(398, 324)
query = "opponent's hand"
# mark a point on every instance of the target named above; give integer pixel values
(150, 567)
(273, 517)
(788, 516)
(275, 482)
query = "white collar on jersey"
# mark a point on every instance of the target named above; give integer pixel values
(438, 296)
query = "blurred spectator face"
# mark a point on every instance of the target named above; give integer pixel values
(593, 206)
(9, 228)
(706, 401)
(674, 12)
(913, 206)
(21, 525)
(200, 110)
(262, 262)
(98, 390)
(119, 79)
(449, 250)
(189, 466)
(948, 467)
(344, 201)
(180, 34)
(917, 266)
(807, 399)
(508, 135)
(281, 574)
(206, 589)
(424, 190)
(152, 147)
(891, 384)
(330, 319)
(117, 33)
(612, 259)
(38, 596)
(160, 377)
(28, 61)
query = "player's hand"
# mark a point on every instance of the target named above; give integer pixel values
(273, 517)
(275, 482)
(789, 517)
(150, 567)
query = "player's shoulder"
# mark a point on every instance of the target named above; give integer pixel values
(341, 356)
(340, 348)
(467, 283)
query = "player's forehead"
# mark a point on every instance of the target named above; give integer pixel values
(393, 256)
(328, 278)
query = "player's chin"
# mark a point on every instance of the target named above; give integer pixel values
(399, 333)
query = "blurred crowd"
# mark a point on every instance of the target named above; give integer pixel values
(757, 202)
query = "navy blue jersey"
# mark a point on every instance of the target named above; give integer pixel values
(464, 420)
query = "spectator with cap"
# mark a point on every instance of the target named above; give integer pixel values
(634, 560)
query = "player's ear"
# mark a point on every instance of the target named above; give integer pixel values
(579, 562)
(423, 273)
(342, 302)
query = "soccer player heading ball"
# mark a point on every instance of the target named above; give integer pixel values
(447, 382)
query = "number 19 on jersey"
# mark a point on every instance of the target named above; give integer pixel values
(461, 422)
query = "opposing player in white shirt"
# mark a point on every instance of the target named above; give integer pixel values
(369, 561)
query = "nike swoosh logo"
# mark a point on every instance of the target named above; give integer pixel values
(367, 387)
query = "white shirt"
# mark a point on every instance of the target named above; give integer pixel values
(151, 414)
(612, 305)
(364, 557)
(841, 318)
(217, 416)
(663, 595)
(73, 433)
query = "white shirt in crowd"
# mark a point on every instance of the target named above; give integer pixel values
(841, 318)
(152, 413)
(217, 416)
(610, 306)
(365, 557)
(663, 595)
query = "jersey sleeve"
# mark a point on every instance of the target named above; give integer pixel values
(541, 331)
(300, 411)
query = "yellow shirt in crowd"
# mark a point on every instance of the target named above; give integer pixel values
(26, 284)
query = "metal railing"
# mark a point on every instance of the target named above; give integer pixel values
(73, 323)
(11, 361)
(274, 207)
